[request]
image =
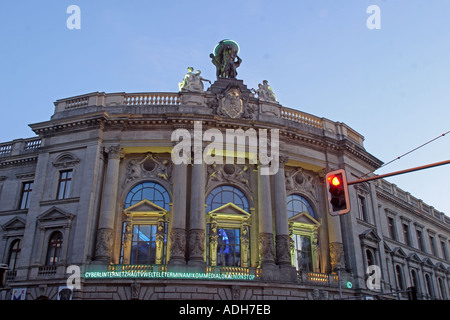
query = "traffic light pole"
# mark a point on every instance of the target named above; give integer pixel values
(400, 172)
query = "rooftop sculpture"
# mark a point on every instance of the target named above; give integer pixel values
(225, 58)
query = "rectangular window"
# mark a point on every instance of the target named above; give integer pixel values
(406, 234)
(143, 244)
(419, 239)
(65, 180)
(444, 250)
(229, 247)
(432, 246)
(391, 228)
(303, 255)
(27, 187)
(362, 208)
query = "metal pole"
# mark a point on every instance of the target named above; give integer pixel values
(400, 172)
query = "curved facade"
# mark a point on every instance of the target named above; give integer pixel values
(100, 188)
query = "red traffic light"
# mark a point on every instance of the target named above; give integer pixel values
(337, 191)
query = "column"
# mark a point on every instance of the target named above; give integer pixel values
(281, 217)
(103, 250)
(265, 220)
(197, 226)
(178, 230)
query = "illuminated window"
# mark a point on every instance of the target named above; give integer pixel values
(303, 256)
(64, 183)
(54, 248)
(297, 204)
(143, 244)
(26, 195)
(226, 194)
(151, 191)
(228, 235)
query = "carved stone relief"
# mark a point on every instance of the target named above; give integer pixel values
(302, 181)
(151, 166)
(232, 173)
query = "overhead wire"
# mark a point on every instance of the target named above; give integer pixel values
(399, 157)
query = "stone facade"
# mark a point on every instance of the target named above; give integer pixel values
(70, 197)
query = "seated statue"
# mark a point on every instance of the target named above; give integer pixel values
(192, 82)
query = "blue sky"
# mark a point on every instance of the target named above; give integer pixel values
(391, 85)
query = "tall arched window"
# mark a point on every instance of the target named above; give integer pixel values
(13, 254)
(228, 233)
(297, 204)
(303, 232)
(54, 248)
(151, 191)
(144, 232)
(399, 274)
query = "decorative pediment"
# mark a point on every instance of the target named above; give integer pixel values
(427, 262)
(440, 266)
(54, 214)
(66, 160)
(14, 224)
(413, 257)
(399, 252)
(145, 207)
(304, 218)
(370, 235)
(230, 211)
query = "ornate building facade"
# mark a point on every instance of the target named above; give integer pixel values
(98, 189)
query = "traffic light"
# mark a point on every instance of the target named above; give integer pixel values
(338, 201)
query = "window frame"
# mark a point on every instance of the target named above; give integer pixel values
(65, 183)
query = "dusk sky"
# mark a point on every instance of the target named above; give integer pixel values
(391, 84)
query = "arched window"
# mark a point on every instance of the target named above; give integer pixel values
(297, 204)
(228, 235)
(151, 191)
(13, 254)
(399, 273)
(225, 194)
(429, 286)
(144, 233)
(369, 257)
(54, 248)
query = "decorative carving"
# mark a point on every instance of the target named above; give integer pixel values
(114, 152)
(178, 243)
(265, 92)
(103, 247)
(233, 103)
(235, 292)
(196, 244)
(298, 180)
(283, 249)
(135, 288)
(159, 241)
(192, 82)
(213, 236)
(245, 242)
(231, 173)
(337, 255)
(151, 166)
(265, 241)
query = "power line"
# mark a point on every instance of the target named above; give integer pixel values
(422, 145)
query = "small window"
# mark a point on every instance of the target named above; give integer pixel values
(406, 234)
(64, 183)
(54, 248)
(26, 195)
(419, 239)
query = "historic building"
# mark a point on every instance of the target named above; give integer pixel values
(206, 194)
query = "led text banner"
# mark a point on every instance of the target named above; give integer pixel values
(165, 275)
